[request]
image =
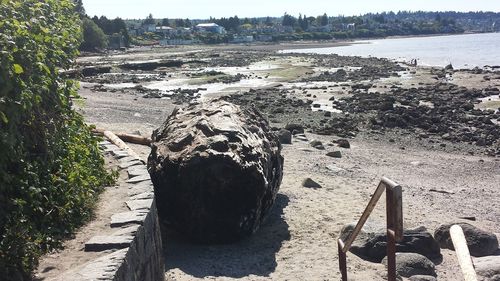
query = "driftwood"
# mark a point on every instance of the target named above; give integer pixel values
(127, 137)
(462, 251)
(216, 170)
(118, 142)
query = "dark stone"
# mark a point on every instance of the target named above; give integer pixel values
(343, 143)
(317, 144)
(409, 264)
(308, 182)
(372, 240)
(295, 128)
(481, 243)
(334, 154)
(284, 136)
(216, 170)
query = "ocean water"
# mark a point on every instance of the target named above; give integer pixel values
(462, 51)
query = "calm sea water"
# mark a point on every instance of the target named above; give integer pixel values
(462, 51)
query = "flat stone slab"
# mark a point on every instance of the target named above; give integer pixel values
(139, 179)
(127, 231)
(109, 147)
(126, 165)
(132, 217)
(102, 243)
(103, 268)
(140, 190)
(119, 152)
(128, 159)
(136, 171)
(142, 204)
(141, 196)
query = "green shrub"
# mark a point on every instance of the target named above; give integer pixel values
(93, 36)
(51, 170)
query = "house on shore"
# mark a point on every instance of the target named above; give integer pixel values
(210, 27)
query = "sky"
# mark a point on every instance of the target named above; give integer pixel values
(203, 9)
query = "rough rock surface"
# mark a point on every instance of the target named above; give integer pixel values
(488, 266)
(409, 264)
(371, 242)
(216, 170)
(481, 243)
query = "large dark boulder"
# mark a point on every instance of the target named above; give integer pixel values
(371, 243)
(481, 243)
(216, 170)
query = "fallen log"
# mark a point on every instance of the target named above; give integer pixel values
(127, 137)
(216, 170)
(118, 142)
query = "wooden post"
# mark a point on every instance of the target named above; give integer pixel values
(463, 255)
(342, 260)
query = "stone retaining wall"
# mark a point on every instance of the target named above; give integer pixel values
(135, 249)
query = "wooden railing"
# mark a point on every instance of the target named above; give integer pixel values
(394, 208)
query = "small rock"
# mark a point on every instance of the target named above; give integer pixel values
(480, 242)
(317, 144)
(409, 264)
(308, 182)
(343, 143)
(285, 136)
(334, 154)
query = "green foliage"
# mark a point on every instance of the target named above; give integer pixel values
(93, 36)
(51, 169)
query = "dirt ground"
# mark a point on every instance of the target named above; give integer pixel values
(56, 265)
(298, 241)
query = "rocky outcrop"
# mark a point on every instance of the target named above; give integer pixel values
(481, 243)
(216, 170)
(151, 65)
(371, 243)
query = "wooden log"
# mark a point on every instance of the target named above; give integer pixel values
(463, 255)
(127, 137)
(118, 142)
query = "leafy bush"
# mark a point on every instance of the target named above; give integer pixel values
(51, 169)
(93, 36)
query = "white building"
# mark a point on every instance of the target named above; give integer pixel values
(210, 27)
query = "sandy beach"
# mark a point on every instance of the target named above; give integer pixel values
(298, 240)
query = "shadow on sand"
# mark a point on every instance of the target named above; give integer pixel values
(255, 255)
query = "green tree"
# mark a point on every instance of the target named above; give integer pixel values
(93, 36)
(149, 20)
(289, 20)
(79, 8)
(324, 20)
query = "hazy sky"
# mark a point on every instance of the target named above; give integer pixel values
(201, 9)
